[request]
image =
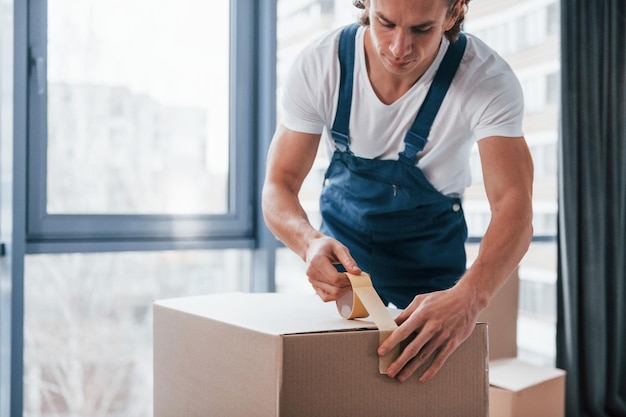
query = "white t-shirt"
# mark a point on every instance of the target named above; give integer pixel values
(485, 99)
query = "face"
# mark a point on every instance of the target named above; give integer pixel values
(405, 34)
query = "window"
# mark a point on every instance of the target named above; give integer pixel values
(538, 73)
(541, 90)
(292, 34)
(553, 89)
(142, 137)
(534, 94)
(553, 17)
(132, 135)
(517, 27)
(88, 324)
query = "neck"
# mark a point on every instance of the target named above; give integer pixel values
(388, 86)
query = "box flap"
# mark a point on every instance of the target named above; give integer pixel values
(271, 313)
(516, 375)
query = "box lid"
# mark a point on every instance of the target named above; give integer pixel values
(272, 313)
(516, 375)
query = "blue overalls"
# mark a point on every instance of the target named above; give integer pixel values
(406, 234)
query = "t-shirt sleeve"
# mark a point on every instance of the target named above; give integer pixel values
(499, 101)
(308, 98)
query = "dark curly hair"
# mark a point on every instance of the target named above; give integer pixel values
(451, 34)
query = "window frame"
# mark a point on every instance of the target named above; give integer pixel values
(53, 233)
(30, 230)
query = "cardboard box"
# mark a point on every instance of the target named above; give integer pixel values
(501, 317)
(267, 355)
(520, 389)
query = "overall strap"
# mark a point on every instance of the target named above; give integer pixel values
(340, 129)
(417, 136)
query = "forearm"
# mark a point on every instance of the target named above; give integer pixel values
(502, 248)
(289, 161)
(286, 218)
(508, 179)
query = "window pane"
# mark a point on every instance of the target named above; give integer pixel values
(88, 324)
(138, 99)
(299, 21)
(535, 59)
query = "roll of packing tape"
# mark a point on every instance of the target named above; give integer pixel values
(363, 301)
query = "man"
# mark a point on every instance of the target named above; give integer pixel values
(401, 100)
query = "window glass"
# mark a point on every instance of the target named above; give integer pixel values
(553, 88)
(299, 22)
(138, 103)
(525, 33)
(553, 19)
(88, 324)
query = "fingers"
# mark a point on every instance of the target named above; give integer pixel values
(437, 363)
(414, 353)
(407, 312)
(431, 327)
(409, 323)
(327, 281)
(343, 256)
(426, 346)
(402, 333)
(331, 291)
(432, 351)
(330, 284)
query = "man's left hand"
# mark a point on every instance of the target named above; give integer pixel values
(441, 320)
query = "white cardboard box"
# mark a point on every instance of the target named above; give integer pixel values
(520, 389)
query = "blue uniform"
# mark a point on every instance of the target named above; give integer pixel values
(401, 230)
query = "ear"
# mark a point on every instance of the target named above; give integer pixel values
(455, 12)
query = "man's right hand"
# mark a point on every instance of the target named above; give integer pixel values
(321, 256)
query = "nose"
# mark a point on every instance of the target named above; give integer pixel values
(400, 44)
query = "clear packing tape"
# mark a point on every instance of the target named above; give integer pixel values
(363, 301)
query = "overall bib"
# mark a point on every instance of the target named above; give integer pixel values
(406, 234)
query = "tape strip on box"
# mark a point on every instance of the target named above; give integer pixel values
(364, 301)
